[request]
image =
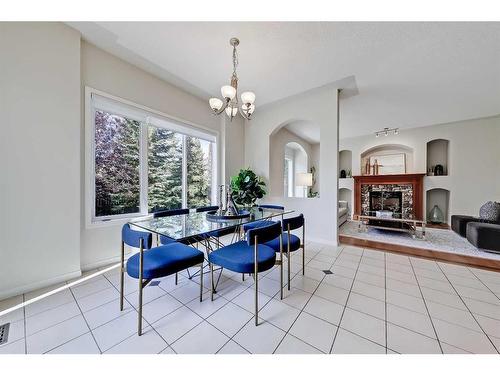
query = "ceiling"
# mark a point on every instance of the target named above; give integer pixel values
(407, 74)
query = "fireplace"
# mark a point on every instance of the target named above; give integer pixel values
(386, 201)
(400, 193)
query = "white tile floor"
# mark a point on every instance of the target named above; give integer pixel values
(374, 302)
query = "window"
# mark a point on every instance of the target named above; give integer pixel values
(143, 162)
(288, 177)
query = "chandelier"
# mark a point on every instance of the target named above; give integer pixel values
(230, 94)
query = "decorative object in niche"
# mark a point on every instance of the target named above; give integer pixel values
(349, 173)
(438, 170)
(389, 164)
(312, 193)
(375, 167)
(436, 215)
(342, 174)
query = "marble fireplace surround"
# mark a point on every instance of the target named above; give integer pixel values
(410, 185)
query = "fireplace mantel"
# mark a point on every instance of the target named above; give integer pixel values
(415, 179)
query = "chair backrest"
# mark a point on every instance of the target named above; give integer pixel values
(273, 206)
(265, 233)
(133, 237)
(177, 211)
(294, 222)
(207, 208)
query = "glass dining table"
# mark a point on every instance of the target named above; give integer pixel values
(195, 228)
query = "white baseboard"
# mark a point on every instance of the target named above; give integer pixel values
(322, 241)
(39, 284)
(100, 263)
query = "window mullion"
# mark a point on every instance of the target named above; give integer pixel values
(184, 172)
(143, 165)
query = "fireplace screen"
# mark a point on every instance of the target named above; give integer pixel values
(386, 201)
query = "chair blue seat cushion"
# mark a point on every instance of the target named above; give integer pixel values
(164, 260)
(294, 243)
(239, 257)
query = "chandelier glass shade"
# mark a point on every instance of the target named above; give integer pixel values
(229, 104)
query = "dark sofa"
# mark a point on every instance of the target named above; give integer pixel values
(484, 231)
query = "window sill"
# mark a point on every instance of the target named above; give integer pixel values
(115, 222)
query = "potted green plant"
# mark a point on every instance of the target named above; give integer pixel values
(247, 187)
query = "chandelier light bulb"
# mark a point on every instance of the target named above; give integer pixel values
(231, 111)
(248, 97)
(216, 104)
(228, 92)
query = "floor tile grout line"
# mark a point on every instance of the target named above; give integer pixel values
(459, 296)
(132, 306)
(487, 287)
(85, 319)
(427, 309)
(266, 320)
(302, 310)
(346, 302)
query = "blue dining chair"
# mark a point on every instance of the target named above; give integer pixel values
(291, 242)
(154, 262)
(262, 223)
(250, 256)
(207, 208)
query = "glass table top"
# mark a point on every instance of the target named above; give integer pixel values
(194, 224)
(388, 215)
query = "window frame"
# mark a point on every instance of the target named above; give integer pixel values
(186, 128)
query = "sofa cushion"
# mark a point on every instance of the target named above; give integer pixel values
(484, 236)
(490, 211)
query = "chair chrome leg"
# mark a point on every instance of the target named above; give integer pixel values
(288, 256)
(121, 275)
(304, 249)
(256, 273)
(176, 278)
(211, 282)
(281, 266)
(139, 322)
(242, 277)
(201, 282)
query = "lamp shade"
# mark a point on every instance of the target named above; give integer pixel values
(215, 103)
(304, 179)
(228, 92)
(248, 97)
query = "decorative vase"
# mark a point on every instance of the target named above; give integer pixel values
(436, 215)
(342, 174)
(438, 170)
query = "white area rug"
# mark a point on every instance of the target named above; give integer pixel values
(435, 239)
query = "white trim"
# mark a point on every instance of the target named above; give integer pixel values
(39, 284)
(142, 113)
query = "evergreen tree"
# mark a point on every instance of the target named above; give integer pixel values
(198, 183)
(165, 169)
(116, 164)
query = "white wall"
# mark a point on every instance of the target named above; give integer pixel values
(233, 139)
(317, 106)
(105, 72)
(44, 68)
(40, 158)
(277, 144)
(473, 164)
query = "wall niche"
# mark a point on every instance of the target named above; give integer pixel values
(437, 154)
(386, 150)
(438, 197)
(346, 195)
(345, 163)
